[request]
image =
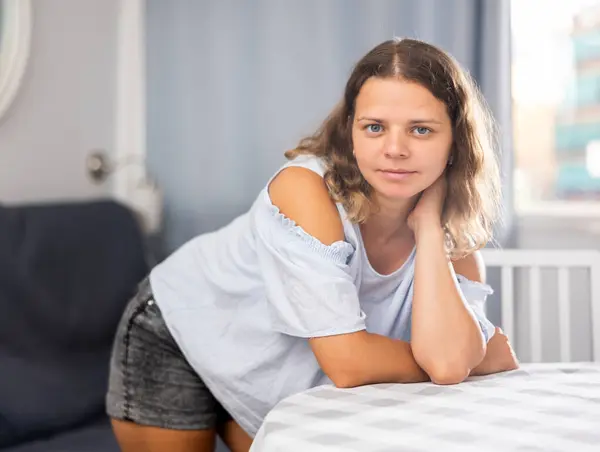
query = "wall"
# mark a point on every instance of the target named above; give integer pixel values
(66, 104)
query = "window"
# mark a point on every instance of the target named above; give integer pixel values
(556, 106)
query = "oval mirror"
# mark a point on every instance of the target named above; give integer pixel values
(15, 38)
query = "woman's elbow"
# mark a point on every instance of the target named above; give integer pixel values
(450, 371)
(448, 375)
(345, 382)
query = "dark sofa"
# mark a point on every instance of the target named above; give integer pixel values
(66, 273)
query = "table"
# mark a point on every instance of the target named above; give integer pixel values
(539, 407)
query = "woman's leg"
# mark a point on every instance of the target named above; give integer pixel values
(133, 437)
(156, 401)
(140, 438)
(236, 439)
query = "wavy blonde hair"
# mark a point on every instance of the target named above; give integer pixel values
(473, 196)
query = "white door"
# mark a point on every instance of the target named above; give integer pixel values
(67, 104)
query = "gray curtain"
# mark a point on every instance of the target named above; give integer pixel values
(232, 84)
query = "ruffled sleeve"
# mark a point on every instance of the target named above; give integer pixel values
(309, 290)
(476, 294)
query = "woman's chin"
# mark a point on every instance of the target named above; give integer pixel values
(398, 193)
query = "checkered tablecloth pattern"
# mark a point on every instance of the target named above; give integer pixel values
(542, 407)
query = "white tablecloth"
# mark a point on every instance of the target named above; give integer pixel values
(542, 407)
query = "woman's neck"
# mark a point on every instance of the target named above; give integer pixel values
(389, 221)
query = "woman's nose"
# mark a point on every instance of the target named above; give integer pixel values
(396, 147)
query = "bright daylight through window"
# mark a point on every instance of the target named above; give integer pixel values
(556, 106)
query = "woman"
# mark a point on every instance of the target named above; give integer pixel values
(356, 264)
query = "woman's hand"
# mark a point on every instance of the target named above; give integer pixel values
(428, 210)
(499, 356)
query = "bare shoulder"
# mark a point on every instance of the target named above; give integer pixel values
(302, 196)
(471, 267)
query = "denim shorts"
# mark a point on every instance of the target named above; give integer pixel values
(150, 381)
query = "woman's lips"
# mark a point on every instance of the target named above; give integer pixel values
(397, 174)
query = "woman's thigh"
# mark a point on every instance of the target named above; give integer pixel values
(236, 439)
(133, 437)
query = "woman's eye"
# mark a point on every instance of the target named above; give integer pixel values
(421, 130)
(374, 128)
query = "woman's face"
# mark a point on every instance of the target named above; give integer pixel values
(402, 136)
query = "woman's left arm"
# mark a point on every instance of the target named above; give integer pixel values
(447, 340)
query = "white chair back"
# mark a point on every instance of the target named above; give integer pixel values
(532, 261)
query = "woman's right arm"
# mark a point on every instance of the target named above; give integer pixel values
(352, 359)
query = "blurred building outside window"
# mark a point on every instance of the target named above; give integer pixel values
(556, 107)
